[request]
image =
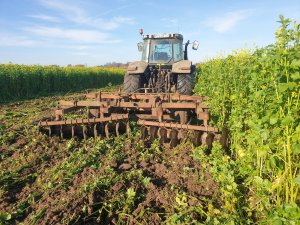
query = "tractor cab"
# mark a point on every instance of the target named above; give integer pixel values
(163, 48)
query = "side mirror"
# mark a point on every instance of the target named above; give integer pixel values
(195, 45)
(140, 46)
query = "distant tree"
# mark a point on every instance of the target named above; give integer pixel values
(115, 64)
(80, 65)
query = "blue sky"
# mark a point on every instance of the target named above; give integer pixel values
(94, 32)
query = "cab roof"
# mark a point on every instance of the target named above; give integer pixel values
(163, 36)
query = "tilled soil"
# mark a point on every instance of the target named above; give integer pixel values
(115, 181)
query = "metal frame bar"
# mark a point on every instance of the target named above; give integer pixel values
(83, 121)
(176, 125)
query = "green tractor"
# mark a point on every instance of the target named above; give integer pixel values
(164, 67)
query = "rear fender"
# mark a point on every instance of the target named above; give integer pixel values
(182, 67)
(137, 67)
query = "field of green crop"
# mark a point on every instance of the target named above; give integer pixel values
(254, 95)
(23, 82)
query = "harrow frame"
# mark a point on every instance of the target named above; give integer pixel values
(156, 113)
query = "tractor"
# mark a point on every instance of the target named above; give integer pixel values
(164, 66)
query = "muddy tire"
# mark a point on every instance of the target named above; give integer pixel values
(185, 84)
(132, 82)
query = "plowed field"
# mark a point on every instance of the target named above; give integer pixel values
(113, 181)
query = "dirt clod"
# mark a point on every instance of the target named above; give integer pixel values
(125, 166)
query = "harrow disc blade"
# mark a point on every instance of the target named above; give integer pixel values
(106, 129)
(153, 133)
(144, 133)
(197, 138)
(163, 135)
(210, 140)
(174, 138)
(61, 132)
(72, 131)
(96, 133)
(84, 131)
(117, 129)
(128, 131)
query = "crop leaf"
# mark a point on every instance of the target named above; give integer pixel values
(273, 120)
(295, 76)
(295, 64)
(297, 179)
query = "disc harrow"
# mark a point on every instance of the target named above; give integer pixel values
(171, 117)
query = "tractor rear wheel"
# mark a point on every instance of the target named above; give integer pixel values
(185, 84)
(132, 82)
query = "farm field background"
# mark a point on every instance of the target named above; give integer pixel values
(23, 82)
(255, 95)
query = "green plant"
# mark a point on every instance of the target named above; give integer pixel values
(21, 82)
(255, 95)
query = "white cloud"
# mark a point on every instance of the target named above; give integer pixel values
(67, 7)
(45, 18)
(80, 35)
(228, 21)
(14, 41)
(77, 14)
(111, 24)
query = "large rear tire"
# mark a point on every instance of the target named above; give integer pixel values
(132, 82)
(185, 84)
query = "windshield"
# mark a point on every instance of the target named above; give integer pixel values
(162, 50)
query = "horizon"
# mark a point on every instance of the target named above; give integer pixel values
(53, 32)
